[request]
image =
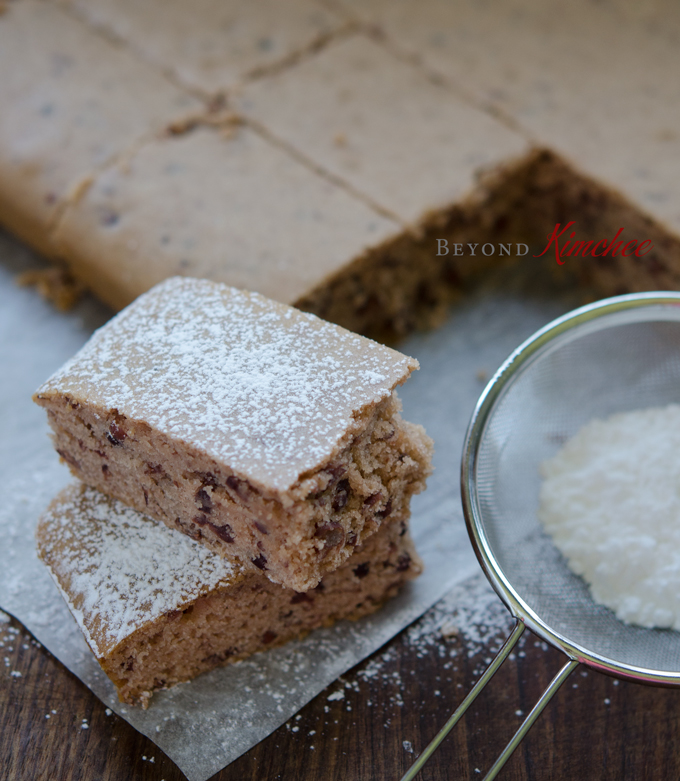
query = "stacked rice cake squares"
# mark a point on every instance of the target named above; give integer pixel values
(266, 435)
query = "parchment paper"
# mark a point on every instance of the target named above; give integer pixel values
(205, 724)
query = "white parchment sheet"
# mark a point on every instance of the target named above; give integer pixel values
(205, 724)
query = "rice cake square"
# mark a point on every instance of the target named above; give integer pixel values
(156, 608)
(385, 128)
(213, 45)
(225, 204)
(258, 429)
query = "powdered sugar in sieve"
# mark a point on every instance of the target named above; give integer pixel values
(610, 500)
(608, 358)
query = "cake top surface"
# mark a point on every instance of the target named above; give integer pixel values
(375, 121)
(77, 101)
(118, 569)
(271, 392)
(286, 231)
(210, 45)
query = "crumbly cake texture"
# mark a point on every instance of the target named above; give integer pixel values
(156, 608)
(258, 429)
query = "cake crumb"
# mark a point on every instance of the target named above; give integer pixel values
(55, 285)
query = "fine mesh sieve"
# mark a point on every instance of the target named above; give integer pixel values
(616, 355)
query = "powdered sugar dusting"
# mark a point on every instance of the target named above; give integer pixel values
(118, 570)
(261, 387)
(466, 627)
(472, 611)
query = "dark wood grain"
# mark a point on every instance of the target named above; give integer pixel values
(594, 728)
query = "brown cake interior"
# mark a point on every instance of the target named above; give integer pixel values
(295, 537)
(234, 622)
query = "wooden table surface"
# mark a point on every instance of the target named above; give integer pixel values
(393, 703)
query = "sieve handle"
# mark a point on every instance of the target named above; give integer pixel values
(544, 699)
(490, 671)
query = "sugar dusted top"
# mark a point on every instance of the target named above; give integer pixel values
(261, 387)
(117, 569)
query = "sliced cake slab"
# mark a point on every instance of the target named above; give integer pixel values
(253, 427)
(600, 87)
(157, 608)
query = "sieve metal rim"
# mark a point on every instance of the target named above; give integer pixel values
(636, 307)
(607, 313)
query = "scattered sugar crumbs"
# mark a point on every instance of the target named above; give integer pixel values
(470, 621)
(470, 612)
(10, 640)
